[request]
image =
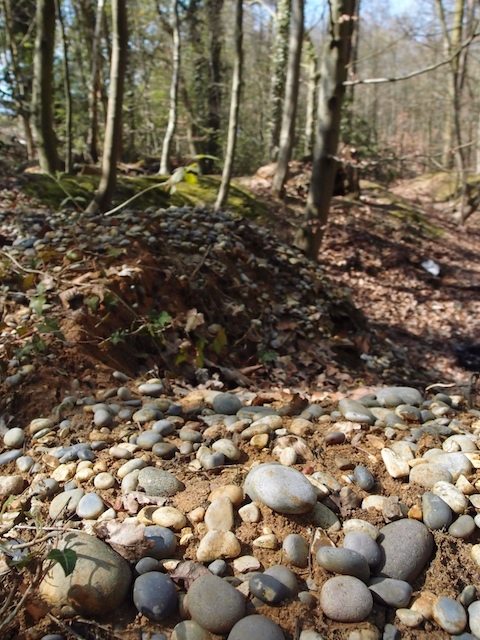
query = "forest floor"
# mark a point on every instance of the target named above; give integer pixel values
(232, 306)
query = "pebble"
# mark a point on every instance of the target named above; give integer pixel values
(436, 512)
(218, 544)
(219, 567)
(104, 481)
(344, 561)
(244, 564)
(394, 396)
(10, 456)
(363, 544)
(363, 478)
(11, 485)
(394, 464)
(295, 550)
(148, 439)
(102, 418)
(325, 518)
(463, 527)
(356, 524)
(456, 463)
(267, 589)
(97, 585)
(355, 411)
(24, 463)
(158, 482)
(162, 540)
(214, 604)
(346, 599)
(451, 495)
(14, 438)
(310, 634)
(169, 517)
(256, 626)
(219, 515)
(155, 596)
(410, 618)
(474, 617)
(153, 389)
(90, 506)
(189, 630)
(250, 513)
(449, 615)
(231, 491)
(226, 403)
(404, 561)
(147, 564)
(391, 592)
(428, 474)
(283, 489)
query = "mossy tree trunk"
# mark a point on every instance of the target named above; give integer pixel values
(42, 102)
(333, 74)
(113, 132)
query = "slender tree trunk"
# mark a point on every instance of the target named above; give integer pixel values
(174, 84)
(234, 108)
(42, 98)
(331, 92)
(311, 103)
(287, 133)
(279, 64)
(214, 94)
(113, 132)
(354, 54)
(68, 93)
(93, 89)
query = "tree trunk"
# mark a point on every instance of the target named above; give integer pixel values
(68, 93)
(279, 64)
(287, 133)
(113, 132)
(312, 82)
(174, 84)
(214, 93)
(93, 89)
(331, 92)
(234, 108)
(42, 98)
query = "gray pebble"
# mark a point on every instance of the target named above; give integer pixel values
(390, 632)
(363, 478)
(163, 427)
(14, 438)
(346, 599)
(102, 418)
(355, 411)
(436, 512)
(344, 561)
(45, 488)
(257, 627)
(267, 589)
(226, 403)
(212, 460)
(90, 506)
(164, 542)
(10, 456)
(147, 439)
(145, 414)
(390, 592)
(295, 549)
(286, 577)
(215, 604)
(218, 567)
(468, 595)
(165, 450)
(155, 596)
(474, 617)
(147, 564)
(189, 435)
(152, 389)
(363, 544)
(449, 615)
(189, 630)
(463, 527)
(407, 546)
(65, 504)
(157, 482)
(24, 463)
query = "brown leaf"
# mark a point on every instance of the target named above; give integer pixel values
(188, 572)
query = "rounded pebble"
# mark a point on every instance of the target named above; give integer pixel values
(256, 626)
(155, 596)
(346, 599)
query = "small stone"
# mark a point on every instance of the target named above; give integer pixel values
(214, 604)
(169, 517)
(394, 396)
(97, 585)
(449, 615)
(231, 491)
(102, 418)
(64, 472)
(325, 518)
(189, 630)
(229, 450)
(451, 495)
(404, 561)
(428, 474)
(355, 524)
(163, 542)
(310, 634)
(131, 465)
(257, 627)
(218, 544)
(158, 482)
(463, 527)
(395, 466)
(266, 541)
(226, 403)
(390, 592)
(475, 553)
(390, 632)
(363, 478)
(218, 567)
(24, 463)
(65, 504)
(14, 438)
(343, 561)
(283, 489)
(334, 437)
(145, 565)
(90, 506)
(9, 456)
(409, 617)
(120, 453)
(148, 439)
(250, 513)
(104, 481)
(245, 564)
(155, 596)
(295, 550)
(456, 463)
(267, 589)
(468, 595)
(436, 512)
(474, 617)
(219, 515)
(11, 485)
(363, 544)
(355, 411)
(424, 604)
(346, 599)
(152, 389)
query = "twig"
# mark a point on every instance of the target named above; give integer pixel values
(200, 264)
(17, 264)
(68, 630)
(25, 545)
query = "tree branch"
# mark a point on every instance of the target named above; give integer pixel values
(417, 72)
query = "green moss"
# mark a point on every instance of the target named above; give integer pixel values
(56, 192)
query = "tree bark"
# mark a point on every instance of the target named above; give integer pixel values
(113, 132)
(311, 103)
(279, 64)
(42, 97)
(287, 133)
(214, 93)
(174, 84)
(234, 108)
(93, 89)
(331, 92)
(67, 90)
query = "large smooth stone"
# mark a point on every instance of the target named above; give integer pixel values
(393, 396)
(426, 475)
(394, 593)
(355, 411)
(215, 604)
(346, 599)
(283, 489)
(344, 561)
(456, 463)
(157, 482)
(363, 544)
(154, 595)
(258, 627)
(449, 615)
(98, 584)
(406, 548)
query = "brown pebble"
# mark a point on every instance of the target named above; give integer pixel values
(335, 437)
